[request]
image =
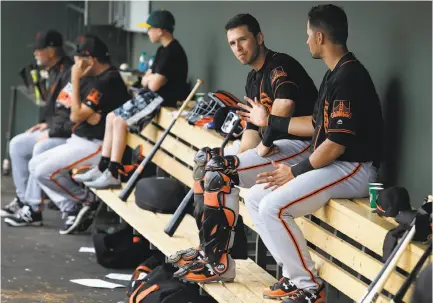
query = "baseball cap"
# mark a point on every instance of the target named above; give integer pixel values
(391, 201)
(160, 19)
(91, 46)
(50, 38)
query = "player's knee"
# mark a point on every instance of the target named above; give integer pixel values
(40, 172)
(268, 209)
(119, 123)
(110, 117)
(251, 200)
(16, 145)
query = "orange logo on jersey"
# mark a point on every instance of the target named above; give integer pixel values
(94, 96)
(325, 116)
(276, 73)
(266, 101)
(341, 108)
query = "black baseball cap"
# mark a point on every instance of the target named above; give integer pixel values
(159, 19)
(50, 38)
(91, 46)
(391, 201)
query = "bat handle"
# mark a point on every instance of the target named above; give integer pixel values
(189, 98)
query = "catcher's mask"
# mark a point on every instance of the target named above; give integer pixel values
(208, 104)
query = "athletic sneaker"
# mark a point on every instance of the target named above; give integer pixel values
(74, 219)
(90, 175)
(105, 181)
(280, 289)
(11, 208)
(303, 296)
(25, 216)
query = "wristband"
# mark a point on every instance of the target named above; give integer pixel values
(269, 136)
(279, 123)
(302, 167)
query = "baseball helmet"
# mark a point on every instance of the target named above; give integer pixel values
(207, 105)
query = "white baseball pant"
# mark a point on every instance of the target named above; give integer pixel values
(52, 170)
(22, 148)
(273, 212)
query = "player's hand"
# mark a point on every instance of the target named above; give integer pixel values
(40, 126)
(256, 113)
(81, 68)
(264, 151)
(42, 137)
(277, 178)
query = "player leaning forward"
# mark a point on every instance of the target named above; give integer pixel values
(343, 158)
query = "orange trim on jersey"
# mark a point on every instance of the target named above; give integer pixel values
(341, 131)
(70, 167)
(348, 62)
(275, 92)
(318, 134)
(309, 195)
(280, 160)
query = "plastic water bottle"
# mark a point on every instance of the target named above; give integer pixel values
(151, 60)
(142, 62)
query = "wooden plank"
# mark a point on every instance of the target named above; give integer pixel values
(197, 136)
(360, 225)
(340, 279)
(170, 144)
(349, 255)
(164, 161)
(365, 203)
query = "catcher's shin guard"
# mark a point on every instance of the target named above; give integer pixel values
(221, 209)
(201, 158)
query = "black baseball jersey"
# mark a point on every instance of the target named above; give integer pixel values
(103, 94)
(348, 112)
(58, 77)
(172, 63)
(282, 77)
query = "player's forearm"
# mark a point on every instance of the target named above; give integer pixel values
(326, 153)
(278, 120)
(301, 126)
(250, 139)
(76, 100)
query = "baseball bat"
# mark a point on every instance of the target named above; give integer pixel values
(180, 212)
(132, 182)
(398, 298)
(6, 167)
(388, 267)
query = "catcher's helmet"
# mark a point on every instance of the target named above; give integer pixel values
(208, 104)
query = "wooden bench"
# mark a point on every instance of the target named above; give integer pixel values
(345, 238)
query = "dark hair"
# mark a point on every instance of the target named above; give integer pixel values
(244, 19)
(332, 19)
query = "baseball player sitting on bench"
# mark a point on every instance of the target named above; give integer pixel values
(343, 159)
(167, 77)
(275, 85)
(53, 130)
(90, 105)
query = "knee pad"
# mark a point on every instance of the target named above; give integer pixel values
(200, 160)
